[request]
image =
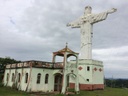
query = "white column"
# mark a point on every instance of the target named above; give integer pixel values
(77, 77)
(64, 75)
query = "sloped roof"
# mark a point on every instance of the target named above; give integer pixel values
(64, 50)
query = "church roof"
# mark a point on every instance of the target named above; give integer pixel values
(64, 50)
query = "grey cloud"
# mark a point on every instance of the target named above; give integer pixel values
(115, 74)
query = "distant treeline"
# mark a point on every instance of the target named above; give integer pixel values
(116, 83)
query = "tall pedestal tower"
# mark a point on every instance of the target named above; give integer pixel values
(91, 73)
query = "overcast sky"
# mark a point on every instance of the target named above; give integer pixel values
(33, 29)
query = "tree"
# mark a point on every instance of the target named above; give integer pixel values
(5, 61)
(118, 83)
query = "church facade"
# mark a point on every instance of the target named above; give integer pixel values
(34, 76)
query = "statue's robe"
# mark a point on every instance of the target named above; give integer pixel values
(85, 23)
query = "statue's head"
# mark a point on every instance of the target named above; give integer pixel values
(88, 10)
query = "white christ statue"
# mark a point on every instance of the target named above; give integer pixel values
(85, 23)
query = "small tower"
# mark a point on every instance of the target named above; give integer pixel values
(68, 68)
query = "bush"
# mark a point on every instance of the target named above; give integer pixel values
(1, 85)
(1, 77)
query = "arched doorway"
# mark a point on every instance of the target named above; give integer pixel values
(58, 82)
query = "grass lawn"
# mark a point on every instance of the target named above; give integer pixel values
(4, 91)
(106, 92)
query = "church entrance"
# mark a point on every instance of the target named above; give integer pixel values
(58, 82)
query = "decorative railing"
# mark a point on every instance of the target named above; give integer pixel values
(36, 64)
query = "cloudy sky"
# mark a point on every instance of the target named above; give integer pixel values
(33, 29)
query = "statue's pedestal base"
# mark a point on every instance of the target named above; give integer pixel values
(91, 74)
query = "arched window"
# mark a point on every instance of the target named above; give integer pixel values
(19, 77)
(7, 78)
(46, 78)
(13, 77)
(38, 78)
(26, 77)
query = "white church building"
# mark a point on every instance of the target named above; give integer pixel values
(34, 76)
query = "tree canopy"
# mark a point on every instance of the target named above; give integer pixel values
(6, 60)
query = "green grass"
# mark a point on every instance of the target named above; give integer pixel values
(5, 91)
(105, 92)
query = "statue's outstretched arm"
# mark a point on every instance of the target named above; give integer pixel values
(69, 24)
(74, 24)
(111, 10)
(102, 16)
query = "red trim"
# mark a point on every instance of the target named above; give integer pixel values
(88, 86)
(80, 68)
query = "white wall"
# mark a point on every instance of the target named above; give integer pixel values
(32, 86)
(95, 77)
(98, 76)
(20, 85)
(42, 86)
